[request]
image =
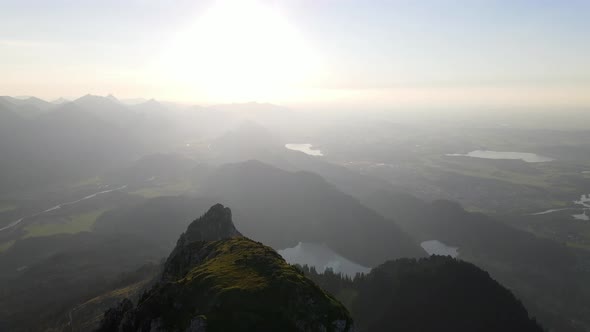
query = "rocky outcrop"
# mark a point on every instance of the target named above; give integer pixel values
(214, 225)
(217, 280)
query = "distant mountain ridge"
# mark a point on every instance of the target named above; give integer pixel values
(27, 107)
(72, 140)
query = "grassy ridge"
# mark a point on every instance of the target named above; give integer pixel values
(242, 285)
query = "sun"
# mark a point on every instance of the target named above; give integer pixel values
(237, 51)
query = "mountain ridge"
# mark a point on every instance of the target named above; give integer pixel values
(282, 208)
(217, 280)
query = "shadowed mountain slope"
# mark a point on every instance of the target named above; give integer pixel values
(217, 280)
(283, 208)
(430, 294)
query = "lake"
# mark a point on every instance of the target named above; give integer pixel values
(584, 201)
(321, 257)
(305, 148)
(435, 247)
(509, 155)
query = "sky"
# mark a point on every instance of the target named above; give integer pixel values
(525, 53)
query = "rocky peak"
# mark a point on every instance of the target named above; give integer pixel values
(218, 280)
(216, 224)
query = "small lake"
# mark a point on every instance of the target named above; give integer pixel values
(508, 155)
(581, 216)
(582, 205)
(584, 201)
(305, 148)
(321, 257)
(435, 247)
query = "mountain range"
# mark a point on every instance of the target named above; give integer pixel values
(216, 279)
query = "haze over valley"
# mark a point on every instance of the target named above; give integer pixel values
(295, 166)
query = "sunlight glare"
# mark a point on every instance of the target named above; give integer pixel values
(237, 51)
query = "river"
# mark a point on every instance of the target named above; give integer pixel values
(59, 206)
(583, 205)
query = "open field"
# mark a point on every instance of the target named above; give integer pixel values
(6, 245)
(5, 207)
(164, 190)
(75, 224)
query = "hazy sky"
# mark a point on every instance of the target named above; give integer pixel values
(437, 52)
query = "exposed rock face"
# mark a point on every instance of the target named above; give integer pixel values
(113, 317)
(214, 225)
(217, 280)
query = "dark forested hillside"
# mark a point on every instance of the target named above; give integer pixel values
(429, 294)
(548, 276)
